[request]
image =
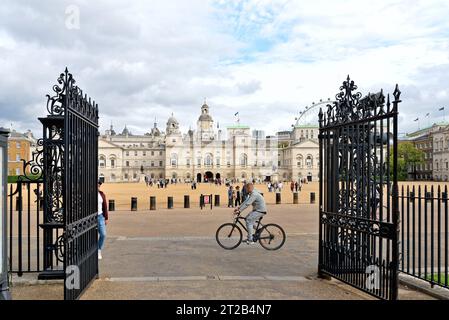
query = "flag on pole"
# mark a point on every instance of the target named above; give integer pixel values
(441, 109)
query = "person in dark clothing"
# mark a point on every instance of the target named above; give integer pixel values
(244, 192)
(238, 197)
(230, 197)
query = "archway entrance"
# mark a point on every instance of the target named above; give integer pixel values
(208, 176)
(198, 177)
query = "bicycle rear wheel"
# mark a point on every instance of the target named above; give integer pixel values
(271, 237)
(229, 236)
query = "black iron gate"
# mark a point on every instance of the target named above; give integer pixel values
(358, 191)
(70, 145)
(25, 206)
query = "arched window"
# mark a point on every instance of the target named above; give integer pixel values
(208, 160)
(243, 160)
(299, 160)
(174, 160)
(309, 161)
(112, 161)
(102, 161)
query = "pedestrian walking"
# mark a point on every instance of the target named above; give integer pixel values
(238, 197)
(102, 219)
(230, 195)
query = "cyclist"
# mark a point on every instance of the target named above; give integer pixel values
(255, 199)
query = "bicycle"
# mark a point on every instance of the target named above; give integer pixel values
(270, 236)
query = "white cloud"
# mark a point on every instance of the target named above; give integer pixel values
(146, 59)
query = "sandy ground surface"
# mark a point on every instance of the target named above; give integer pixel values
(122, 193)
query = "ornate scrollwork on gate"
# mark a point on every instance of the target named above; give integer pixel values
(33, 168)
(349, 105)
(358, 140)
(371, 227)
(66, 86)
(54, 174)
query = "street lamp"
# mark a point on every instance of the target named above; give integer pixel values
(4, 290)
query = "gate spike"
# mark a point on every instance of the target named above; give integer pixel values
(397, 93)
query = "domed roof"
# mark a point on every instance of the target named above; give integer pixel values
(155, 132)
(205, 117)
(171, 120)
(125, 131)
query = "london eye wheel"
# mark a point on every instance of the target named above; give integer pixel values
(308, 116)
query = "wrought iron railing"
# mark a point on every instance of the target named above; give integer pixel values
(424, 233)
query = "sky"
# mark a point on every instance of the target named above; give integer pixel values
(267, 60)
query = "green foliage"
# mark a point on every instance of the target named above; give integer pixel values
(408, 155)
(434, 278)
(14, 179)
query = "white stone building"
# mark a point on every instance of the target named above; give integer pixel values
(208, 153)
(441, 153)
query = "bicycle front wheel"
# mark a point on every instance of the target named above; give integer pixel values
(229, 236)
(272, 237)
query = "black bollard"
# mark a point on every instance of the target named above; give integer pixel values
(278, 198)
(312, 197)
(111, 205)
(295, 197)
(217, 200)
(152, 203)
(186, 202)
(201, 201)
(133, 204)
(170, 202)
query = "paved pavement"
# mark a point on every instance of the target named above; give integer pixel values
(172, 254)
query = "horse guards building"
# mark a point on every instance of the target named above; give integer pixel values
(209, 154)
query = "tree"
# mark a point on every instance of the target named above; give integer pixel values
(408, 157)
